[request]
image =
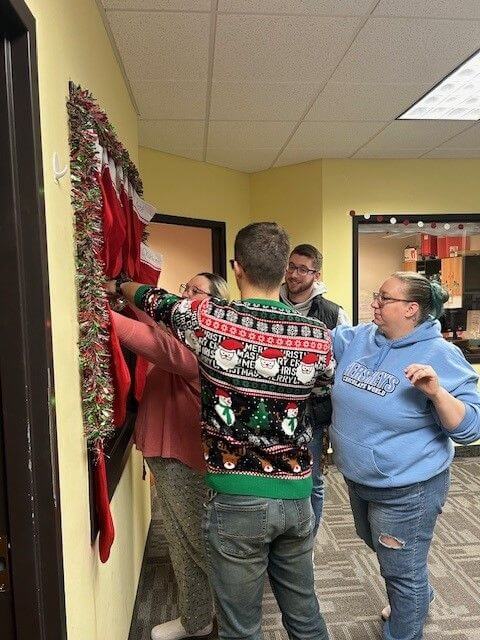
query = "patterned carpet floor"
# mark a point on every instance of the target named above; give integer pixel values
(347, 581)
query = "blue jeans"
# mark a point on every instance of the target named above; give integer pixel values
(315, 447)
(248, 537)
(397, 523)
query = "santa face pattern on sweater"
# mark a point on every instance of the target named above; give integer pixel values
(258, 363)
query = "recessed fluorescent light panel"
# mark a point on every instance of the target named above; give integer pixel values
(456, 97)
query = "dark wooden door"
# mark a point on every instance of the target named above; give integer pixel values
(7, 620)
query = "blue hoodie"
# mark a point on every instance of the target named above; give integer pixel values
(385, 432)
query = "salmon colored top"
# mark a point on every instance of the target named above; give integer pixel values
(168, 420)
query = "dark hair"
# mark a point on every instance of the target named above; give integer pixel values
(218, 286)
(428, 294)
(309, 251)
(262, 250)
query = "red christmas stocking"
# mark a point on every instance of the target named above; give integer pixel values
(131, 247)
(120, 377)
(141, 370)
(102, 506)
(150, 267)
(114, 219)
(139, 214)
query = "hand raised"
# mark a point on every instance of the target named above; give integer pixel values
(424, 378)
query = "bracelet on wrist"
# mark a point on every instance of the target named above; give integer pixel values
(118, 283)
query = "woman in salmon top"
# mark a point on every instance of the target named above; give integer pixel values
(167, 432)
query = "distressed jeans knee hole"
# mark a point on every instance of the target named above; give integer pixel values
(391, 542)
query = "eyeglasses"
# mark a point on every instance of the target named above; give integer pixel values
(303, 271)
(382, 299)
(185, 288)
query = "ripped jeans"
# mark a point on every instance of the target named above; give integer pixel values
(398, 523)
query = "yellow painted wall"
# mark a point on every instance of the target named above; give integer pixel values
(182, 187)
(292, 196)
(72, 44)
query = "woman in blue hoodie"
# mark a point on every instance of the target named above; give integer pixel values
(402, 394)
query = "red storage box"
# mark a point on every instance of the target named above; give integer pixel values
(449, 246)
(429, 245)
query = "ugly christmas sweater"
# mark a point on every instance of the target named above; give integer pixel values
(259, 360)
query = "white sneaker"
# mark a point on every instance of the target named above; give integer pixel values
(386, 612)
(174, 630)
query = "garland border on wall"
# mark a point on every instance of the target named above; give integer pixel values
(89, 126)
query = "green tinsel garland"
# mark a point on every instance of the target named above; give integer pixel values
(87, 122)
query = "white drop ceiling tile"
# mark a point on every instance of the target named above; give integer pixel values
(339, 136)
(366, 152)
(247, 160)
(169, 135)
(357, 102)
(280, 48)
(318, 7)
(460, 9)
(447, 152)
(468, 139)
(248, 135)
(162, 46)
(159, 5)
(397, 50)
(409, 134)
(170, 100)
(260, 101)
(296, 156)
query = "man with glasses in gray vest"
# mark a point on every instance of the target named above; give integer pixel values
(303, 289)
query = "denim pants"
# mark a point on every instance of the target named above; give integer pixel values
(248, 537)
(315, 447)
(319, 412)
(397, 523)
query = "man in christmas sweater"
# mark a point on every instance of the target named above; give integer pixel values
(259, 360)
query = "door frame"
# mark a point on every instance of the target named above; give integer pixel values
(26, 360)
(219, 243)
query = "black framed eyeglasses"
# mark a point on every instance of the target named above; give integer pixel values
(185, 288)
(382, 299)
(303, 271)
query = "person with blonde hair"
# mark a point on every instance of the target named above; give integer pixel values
(167, 432)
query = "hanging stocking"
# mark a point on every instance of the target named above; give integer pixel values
(120, 377)
(150, 266)
(102, 506)
(114, 218)
(148, 273)
(139, 214)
